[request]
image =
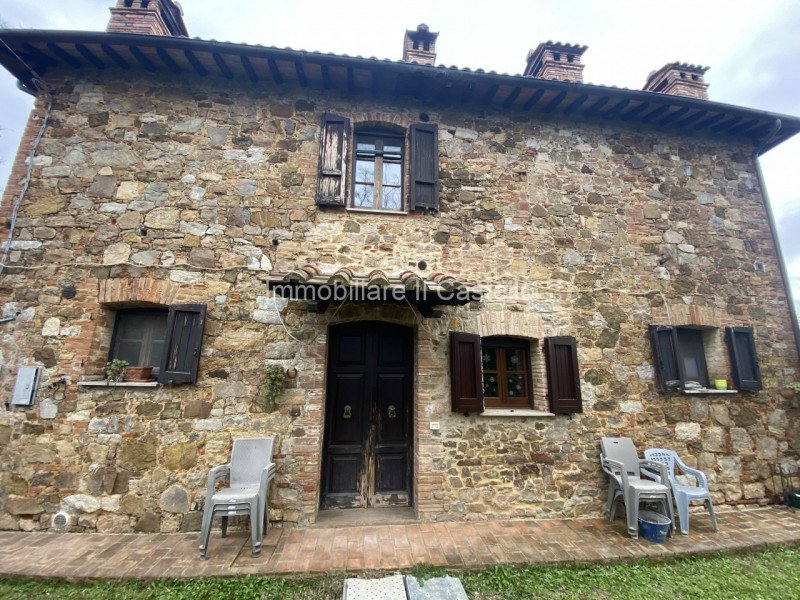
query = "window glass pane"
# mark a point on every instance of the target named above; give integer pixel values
(392, 173)
(139, 337)
(365, 145)
(131, 327)
(156, 353)
(363, 197)
(489, 359)
(516, 386)
(490, 389)
(515, 359)
(691, 368)
(365, 171)
(391, 198)
(130, 351)
(391, 147)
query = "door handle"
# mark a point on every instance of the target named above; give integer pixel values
(392, 411)
(348, 412)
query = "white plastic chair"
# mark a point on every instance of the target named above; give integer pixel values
(624, 467)
(248, 474)
(684, 494)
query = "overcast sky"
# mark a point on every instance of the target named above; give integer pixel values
(753, 49)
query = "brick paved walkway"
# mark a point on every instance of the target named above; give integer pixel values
(385, 547)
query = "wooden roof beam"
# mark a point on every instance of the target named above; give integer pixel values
(726, 125)
(301, 74)
(223, 66)
(691, 119)
(115, 57)
(512, 97)
(635, 111)
(143, 60)
(533, 100)
(595, 108)
(248, 68)
(673, 116)
(490, 94)
(196, 64)
(654, 114)
(327, 83)
(615, 110)
(709, 121)
(576, 104)
(168, 61)
(742, 127)
(91, 57)
(63, 55)
(38, 56)
(553, 104)
(274, 71)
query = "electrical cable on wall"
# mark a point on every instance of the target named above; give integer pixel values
(40, 85)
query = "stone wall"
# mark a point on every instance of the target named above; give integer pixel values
(157, 191)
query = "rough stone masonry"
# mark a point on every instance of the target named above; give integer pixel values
(165, 191)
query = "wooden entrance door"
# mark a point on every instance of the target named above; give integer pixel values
(367, 451)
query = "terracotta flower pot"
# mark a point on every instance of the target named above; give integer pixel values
(138, 373)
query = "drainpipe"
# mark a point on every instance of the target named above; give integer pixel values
(774, 231)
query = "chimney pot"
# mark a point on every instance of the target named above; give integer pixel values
(419, 46)
(678, 79)
(147, 17)
(554, 60)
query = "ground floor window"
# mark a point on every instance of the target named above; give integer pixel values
(139, 335)
(506, 369)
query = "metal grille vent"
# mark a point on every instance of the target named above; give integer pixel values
(61, 520)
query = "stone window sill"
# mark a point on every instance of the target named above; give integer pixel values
(378, 211)
(709, 391)
(515, 412)
(122, 384)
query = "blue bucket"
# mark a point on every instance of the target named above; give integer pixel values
(653, 526)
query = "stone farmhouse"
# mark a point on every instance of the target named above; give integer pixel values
(465, 278)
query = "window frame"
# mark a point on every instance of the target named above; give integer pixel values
(378, 160)
(503, 400)
(146, 350)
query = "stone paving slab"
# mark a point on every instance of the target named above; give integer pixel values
(437, 588)
(385, 588)
(379, 547)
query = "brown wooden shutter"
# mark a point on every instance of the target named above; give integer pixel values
(744, 360)
(466, 383)
(332, 177)
(424, 175)
(182, 343)
(669, 370)
(563, 376)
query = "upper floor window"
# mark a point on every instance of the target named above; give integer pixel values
(378, 173)
(366, 170)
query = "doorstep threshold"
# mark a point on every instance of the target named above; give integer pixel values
(359, 517)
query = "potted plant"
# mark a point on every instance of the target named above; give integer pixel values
(135, 374)
(115, 369)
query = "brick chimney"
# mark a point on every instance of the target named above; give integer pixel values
(679, 79)
(554, 60)
(148, 17)
(419, 47)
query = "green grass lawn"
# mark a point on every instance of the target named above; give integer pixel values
(771, 573)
